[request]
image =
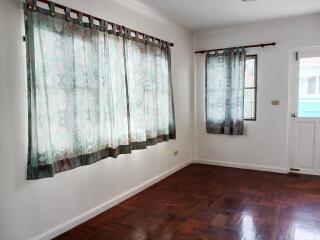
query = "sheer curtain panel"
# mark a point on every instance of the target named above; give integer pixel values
(150, 93)
(224, 92)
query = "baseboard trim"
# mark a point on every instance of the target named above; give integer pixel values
(263, 168)
(58, 230)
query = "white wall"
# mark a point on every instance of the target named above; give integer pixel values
(264, 145)
(31, 208)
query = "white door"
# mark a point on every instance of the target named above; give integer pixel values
(304, 140)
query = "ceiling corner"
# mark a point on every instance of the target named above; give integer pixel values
(144, 10)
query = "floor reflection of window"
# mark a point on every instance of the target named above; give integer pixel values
(304, 233)
(248, 227)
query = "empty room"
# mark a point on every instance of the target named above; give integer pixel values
(160, 120)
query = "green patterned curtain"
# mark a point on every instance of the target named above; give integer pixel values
(225, 91)
(91, 95)
(150, 93)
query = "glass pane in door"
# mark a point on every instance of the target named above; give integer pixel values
(309, 87)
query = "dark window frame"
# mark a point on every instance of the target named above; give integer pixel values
(255, 57)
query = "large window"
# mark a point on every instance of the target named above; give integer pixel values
(250, 91)
(92, 93)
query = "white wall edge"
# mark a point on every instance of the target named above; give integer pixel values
(263, 168)
(195, 120)
(67, 225)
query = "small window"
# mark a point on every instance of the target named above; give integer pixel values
(250, 90)
(309, 93)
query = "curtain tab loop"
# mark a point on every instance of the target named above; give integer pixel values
(235, 51)
(136, 35)
(32, 5)
(121, 31)
(225, 51)
(91, 21)
(164, 44)
(114, 29)
(80, 16)
(52, 8)
(146, 38)
(102, 25)
(127, 32)
(106, 26)
(67, 13)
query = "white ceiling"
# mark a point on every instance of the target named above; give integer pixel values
(201, 15)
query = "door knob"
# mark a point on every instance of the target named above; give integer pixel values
(294, 115)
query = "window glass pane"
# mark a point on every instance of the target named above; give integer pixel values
(250, 72)
(309, 97)
(250, 88)
(312, 85)
(249, 103)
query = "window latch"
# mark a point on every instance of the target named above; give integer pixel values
(294, 115)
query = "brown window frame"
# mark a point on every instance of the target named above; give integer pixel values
(255, 57)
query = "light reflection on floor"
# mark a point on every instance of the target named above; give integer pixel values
(248, 227)
(305, 233)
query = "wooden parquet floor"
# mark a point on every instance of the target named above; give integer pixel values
(203, 202)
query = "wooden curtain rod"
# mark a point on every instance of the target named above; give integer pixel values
(248, 46)
(30, 2)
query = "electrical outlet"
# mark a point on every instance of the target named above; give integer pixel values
(175, 153)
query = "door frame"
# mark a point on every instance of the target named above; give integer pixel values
(291, 135)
